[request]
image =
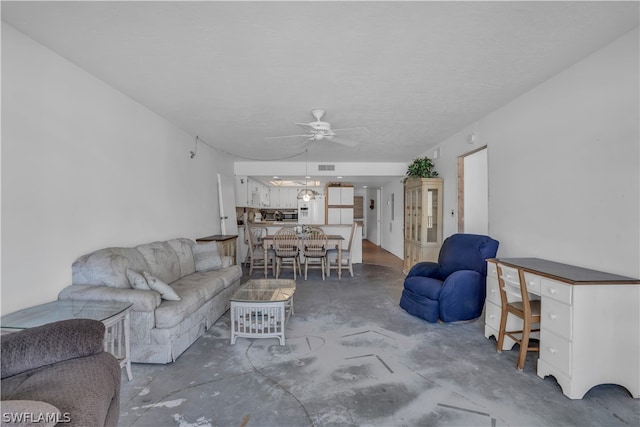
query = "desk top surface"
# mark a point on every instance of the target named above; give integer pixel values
(565, 272)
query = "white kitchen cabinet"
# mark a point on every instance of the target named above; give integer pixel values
(340, 216)
(251, 193)
(589, 328)
(339, 205)
(243, 196)
(340, 196)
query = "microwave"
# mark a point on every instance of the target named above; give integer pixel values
(289, 215)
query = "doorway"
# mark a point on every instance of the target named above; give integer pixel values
(473, 192)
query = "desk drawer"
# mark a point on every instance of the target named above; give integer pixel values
(556, 317)
(556, 290)
(492, 269)
(493, 290)
(556, 351)
(510, 275)
(492, 316)
(533, 283)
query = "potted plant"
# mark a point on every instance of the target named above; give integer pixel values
(422, 167)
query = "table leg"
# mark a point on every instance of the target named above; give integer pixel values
(266, 259)
(127, 346)
(340, 261)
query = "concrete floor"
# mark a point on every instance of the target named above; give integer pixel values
(354, 357)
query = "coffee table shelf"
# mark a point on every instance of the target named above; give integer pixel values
(261, 309)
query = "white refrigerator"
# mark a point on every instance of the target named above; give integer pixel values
(311, 212)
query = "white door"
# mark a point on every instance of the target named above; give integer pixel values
(227, 201)
(476, 193)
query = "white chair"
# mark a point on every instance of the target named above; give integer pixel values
(255, 253)
(332, 254)
(314, 250)
(522, 307)
(287, 248)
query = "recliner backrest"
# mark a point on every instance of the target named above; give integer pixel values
(466, 252)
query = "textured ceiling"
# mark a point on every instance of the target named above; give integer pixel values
(412, 73)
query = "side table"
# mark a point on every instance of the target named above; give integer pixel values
(226, 244)
(114, 316)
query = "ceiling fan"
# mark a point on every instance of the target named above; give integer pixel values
(320, 130)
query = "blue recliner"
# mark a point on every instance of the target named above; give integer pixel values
(454, 288)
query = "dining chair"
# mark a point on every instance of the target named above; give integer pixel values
(255, 253)
(314, 244)
(286, 244)
(515, 300)
(332, 254)
(257, 233)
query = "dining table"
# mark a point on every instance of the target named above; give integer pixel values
(332, 240)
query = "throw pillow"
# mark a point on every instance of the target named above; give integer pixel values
(137, 280)
(206, 256)
(165, 291)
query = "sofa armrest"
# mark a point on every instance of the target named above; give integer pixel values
(54, 342)
(141, 300)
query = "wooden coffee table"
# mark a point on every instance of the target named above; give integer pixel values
(260, 309)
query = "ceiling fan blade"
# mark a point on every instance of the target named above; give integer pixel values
(288, 136)
(342, 141)
(356, 129)
(305, 125)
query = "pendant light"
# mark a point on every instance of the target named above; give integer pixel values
(306, 194)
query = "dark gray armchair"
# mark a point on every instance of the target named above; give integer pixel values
(61, 366)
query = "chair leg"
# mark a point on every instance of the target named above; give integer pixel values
(306, 267)
(524, 345)
(277, 267)
(503, 325)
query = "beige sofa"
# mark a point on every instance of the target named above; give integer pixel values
(161, 329)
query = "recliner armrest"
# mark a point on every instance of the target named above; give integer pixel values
(425, 269)
(54, 342)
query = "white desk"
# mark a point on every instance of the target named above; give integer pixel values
(590, 326)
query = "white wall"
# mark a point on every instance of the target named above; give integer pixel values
(85, 167)
(564, 165)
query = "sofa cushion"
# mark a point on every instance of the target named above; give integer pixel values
(182, 248)
(170, 313)
(107, 267)
(165, 291)
(424, 286)
(206, 256)
(84, 389)
(210, 285)
(162, 261)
